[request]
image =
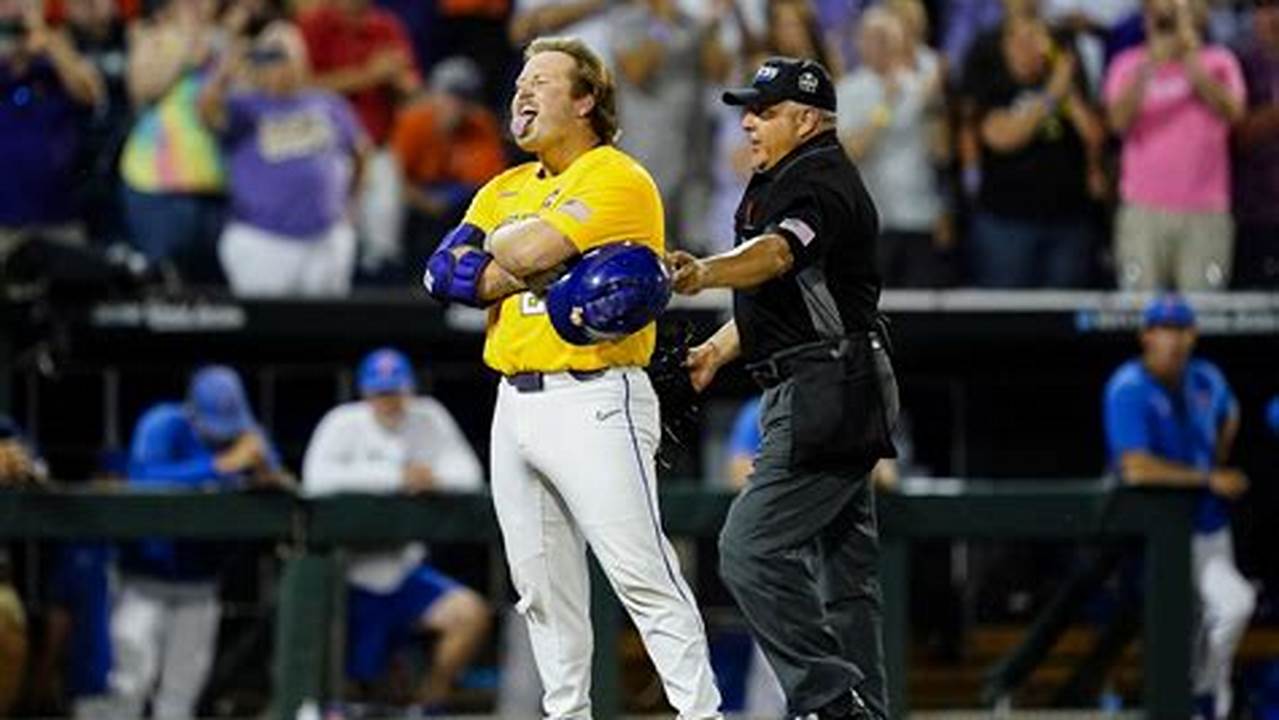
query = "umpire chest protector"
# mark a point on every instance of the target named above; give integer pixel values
(818, 324)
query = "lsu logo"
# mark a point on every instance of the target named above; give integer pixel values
(765, 73)
(531, 304)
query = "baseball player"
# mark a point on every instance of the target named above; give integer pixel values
(576, 429)
(164, 622)
(391, 441)
(1171, 419)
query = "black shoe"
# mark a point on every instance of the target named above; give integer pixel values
(849, 706)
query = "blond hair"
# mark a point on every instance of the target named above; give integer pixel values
(590, 77)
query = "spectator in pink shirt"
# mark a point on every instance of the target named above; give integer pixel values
(1173, 102)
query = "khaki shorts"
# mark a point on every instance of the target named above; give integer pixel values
(1157, 249)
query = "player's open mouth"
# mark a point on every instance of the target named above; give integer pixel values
(522, 121)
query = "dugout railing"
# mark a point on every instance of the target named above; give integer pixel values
(314, 530)
(995, 383)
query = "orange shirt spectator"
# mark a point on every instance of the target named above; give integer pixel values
(447, 144)
(430, 151)
(447, 136)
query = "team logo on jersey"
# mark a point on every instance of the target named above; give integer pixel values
(808, 82)
(531, 304)
(385, 365)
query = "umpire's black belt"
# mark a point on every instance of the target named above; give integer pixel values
(779, 366)
(535, 380)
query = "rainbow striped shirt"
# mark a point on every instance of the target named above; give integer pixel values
(170, 150)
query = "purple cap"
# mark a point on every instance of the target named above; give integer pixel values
(217, 403)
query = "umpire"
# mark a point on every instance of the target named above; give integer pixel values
(799, 548)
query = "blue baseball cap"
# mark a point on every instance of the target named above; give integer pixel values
(385, 370)
(217, 403)
(1168, 310)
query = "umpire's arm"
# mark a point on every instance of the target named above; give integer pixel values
(706, 359)
(752, 263)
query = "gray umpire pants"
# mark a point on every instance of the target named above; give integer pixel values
(799, 554)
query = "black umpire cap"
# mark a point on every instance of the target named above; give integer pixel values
(784, 78)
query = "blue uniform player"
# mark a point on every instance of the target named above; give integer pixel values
(165, 620)
(1171, 420)
(743, 443)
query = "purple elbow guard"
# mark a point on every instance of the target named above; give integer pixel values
(456, 279)
(452, 279)
(464, 234)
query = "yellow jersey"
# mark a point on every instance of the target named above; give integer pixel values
(603, 197)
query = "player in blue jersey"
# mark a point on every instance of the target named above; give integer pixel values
(165, 620)
(1171, 420)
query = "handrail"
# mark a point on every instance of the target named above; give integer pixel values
(1083, 509)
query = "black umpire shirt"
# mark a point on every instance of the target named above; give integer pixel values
(814, 197)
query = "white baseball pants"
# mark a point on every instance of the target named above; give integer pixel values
(163, 636)
(574, 464)
(1227, 601)
(258, 263)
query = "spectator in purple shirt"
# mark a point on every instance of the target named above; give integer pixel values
(293, 155)
(45, 88)
(1256, 184)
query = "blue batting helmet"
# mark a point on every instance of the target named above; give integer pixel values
(613, 291)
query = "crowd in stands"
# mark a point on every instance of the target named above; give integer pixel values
(302, 149)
